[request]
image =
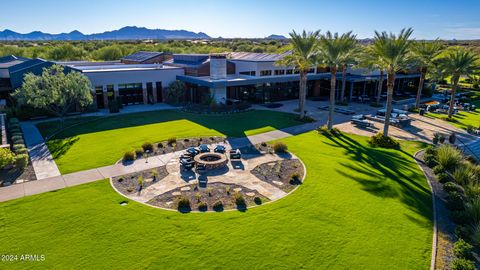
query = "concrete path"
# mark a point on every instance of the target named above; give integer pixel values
(42, 161)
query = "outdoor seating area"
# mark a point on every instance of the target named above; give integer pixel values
(361, 121)
(203, 159)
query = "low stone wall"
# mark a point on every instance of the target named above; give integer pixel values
(3, 130)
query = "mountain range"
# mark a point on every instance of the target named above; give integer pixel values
(125, 33)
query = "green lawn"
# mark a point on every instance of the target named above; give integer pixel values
(102, 141)
(359, 208)
(462, 119)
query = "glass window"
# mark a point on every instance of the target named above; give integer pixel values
(265, 73)
(249, 73)
(289, 71)
(279, 72)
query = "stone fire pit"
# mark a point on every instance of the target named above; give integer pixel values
(211, 160)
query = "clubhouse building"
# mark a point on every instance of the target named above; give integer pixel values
(143, 77)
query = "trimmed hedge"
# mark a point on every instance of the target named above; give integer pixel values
(21, 161)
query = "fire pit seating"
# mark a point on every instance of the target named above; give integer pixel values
(204, 148)
(235, 154)
(192, 151)
(219, 149)
(210, 160)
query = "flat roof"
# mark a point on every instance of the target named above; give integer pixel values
(239, 80)
(141, 56)
(257, 57)
(122, 68)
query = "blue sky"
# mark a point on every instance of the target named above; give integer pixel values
(458, 19)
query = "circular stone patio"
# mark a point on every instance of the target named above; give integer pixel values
(259, 177)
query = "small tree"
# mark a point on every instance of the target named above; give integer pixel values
(176, 92)
(55, 91)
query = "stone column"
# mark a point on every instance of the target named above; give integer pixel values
(105, 96)
(116, 93)
(144, 91)
(219, 94)
(351, 90)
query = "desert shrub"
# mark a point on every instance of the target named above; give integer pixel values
(472, 190)
(18, 141)
(462, 249)
(436, 138)
(160, 145)
(448, 157)
(171, 140)
(378, 140)
(441, 139)
(139, 152)
(15, 130)
(218, 206)
(295, 179)
(6, 157)
(464, 174)
(202, 206)
(305, 119)
(183, 203)
(239, 199)
(452, 187)
(328, 132)
(14, 126)
(429, 160)
(257, 200)
(140, 181)
(147, 146)
(472, 210)
(470, 129)
(280, 147)
(454, 201)
(17, 134)
(462, 264)
(129, 156)
(21, 161)
(444, 178)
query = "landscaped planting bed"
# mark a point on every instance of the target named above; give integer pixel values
(284, 174)
(207, 198)
(135, 182)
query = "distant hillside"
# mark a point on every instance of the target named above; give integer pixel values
(276, 37)
(125, 33)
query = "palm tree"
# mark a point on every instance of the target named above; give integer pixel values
(392, 52)
(333, 54)
(303, 56)
(351, 52)
(369, 60)
(458, 62)
(425, 53)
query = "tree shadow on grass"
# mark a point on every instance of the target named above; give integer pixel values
(60, 147)
(385, 173)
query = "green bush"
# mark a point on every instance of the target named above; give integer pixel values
(430, 150)
(378, 140)
(129, 156)
(202, 206)
(6, 157)
(462, 264)
(15, 147)
(328, 132)
(429, 160)
(17, 134)
(454, 201)
(448, 157)
(438, 169)
(295, 179)
(20, 151)
(462, 249)
(21, 161)
(139, 152)
(239, 200)
(114, 106)
(452, 187)
(218, 206)
(13, 120)
(444, 178)
(16, 131)
(464, 174)
(459, 217)
(147, 146)
(257, 200)
(280, 147)
(16, 138)
(436, 138)
(183, 203)
(13, 126)
(160, 145)
(18, 141)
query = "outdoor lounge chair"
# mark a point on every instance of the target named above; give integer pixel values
(192, 151)
(204, 148)
(187, 164)
(219, 149)
(361, 123)
(201, 167)
(235, 154)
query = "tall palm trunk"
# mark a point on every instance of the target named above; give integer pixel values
(420, 87)
(455, 79)
(333, 82)
(388, 111)
(380, 87)
(302, 93)
(344, 82)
